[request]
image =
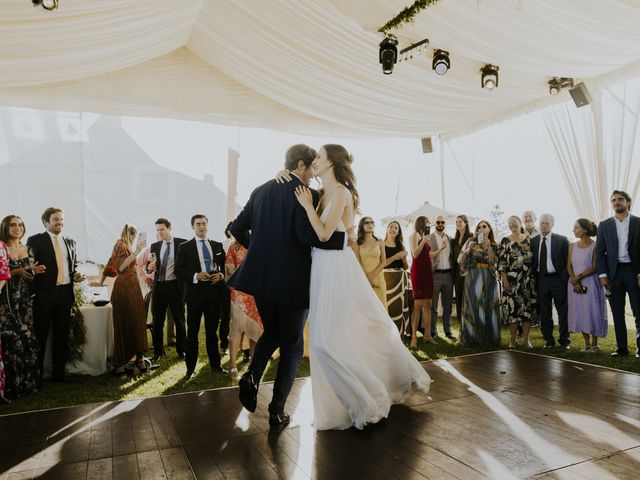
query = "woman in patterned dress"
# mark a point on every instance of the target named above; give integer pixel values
(396, 278)
(129, 321)
(519, 297)
(245, 318)
(480, 322)
(19, 344)
(4, 276)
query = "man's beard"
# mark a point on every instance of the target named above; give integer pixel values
(620, 209)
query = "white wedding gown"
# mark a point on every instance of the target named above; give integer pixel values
(359, 365)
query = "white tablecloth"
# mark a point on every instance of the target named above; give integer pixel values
(99, 346)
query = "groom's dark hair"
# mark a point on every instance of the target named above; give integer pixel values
(299, 152)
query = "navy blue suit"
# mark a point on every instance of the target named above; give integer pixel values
(277, 272)
(623, 276)
(553, 287)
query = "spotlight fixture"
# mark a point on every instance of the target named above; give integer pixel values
(388, 55)
(441, 63)
(489, 79)
(556, 85)
(46, 4)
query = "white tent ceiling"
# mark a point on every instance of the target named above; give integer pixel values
(309, 66)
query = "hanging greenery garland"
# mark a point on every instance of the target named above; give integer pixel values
(407, 15)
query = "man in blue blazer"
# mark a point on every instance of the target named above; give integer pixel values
(618, 259)
(550, 253)
(276, 272)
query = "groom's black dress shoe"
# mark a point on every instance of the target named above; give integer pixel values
(279, 419)
(249, 391)
(620, 353)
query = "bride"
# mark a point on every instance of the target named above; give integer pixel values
(359, 365)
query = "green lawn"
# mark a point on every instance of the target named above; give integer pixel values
(168, 379)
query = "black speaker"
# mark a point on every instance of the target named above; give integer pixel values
(580, 95)
(427, 147)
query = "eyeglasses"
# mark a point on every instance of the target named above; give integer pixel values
(440, 223)
(369, 222)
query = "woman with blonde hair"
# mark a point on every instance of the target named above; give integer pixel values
(371, 256)
(129, 322)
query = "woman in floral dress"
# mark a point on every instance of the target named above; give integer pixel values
(519, 297)
(245, 318)
(19, 344)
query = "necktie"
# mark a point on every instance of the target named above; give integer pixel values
(165, 260)
(206, 256)
(543, 257)
(57, 247)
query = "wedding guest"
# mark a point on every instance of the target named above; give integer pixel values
(519, 296)
(586, 301)
(395, 277)
(54, 294)
(462, 235)
(224, 331)
(421, 279)
(442, 261)
(200, 263)
(129, 322)
(550, 252)
(371, 255)
(19, 344)
(4, 276)
(145, 279)
(245, 319)
(529, 220)
(619, 266)
(480, 321)
(167, 292)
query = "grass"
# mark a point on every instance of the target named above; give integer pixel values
(168, 379)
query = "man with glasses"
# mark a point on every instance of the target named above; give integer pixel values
(550, 252)
(442, 266)
(619, 266)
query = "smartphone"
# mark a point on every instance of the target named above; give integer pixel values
(583, 288)
(142, 238)
(427, 230)
(480, 238)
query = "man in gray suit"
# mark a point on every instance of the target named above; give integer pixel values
(619, 267)
(443, 268)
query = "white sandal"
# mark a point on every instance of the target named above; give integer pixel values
(233, 373)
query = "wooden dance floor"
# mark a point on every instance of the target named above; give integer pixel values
(498, 415)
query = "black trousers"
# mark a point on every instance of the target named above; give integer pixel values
(225, 316)
(52, 311)
(203, 299)
(168, 295)
(553, 288)
(284, 328)
(625, 283)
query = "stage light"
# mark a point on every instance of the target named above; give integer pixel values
(441, 63)
(46, 4)
(489, 79)
(388, 55)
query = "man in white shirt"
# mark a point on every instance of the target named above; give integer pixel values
(442, 267)
(615, 258)
(529, 222)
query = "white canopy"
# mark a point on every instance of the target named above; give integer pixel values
(425, 210)
(309, 66)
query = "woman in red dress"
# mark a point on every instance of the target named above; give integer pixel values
(421, 280)
(129, 321)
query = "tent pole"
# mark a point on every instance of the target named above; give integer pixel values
(232, 184)
(441, 146)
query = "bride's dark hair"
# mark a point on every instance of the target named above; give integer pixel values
(341, 161)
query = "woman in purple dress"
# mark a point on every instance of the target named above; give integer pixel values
(587, 313)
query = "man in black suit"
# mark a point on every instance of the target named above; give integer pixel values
(276, 272)
(168, 291)
(618, 261)
(550, 262)
(54, 289)
(200, 264)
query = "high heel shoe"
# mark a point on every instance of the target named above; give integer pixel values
(142, 366)
(233, 373)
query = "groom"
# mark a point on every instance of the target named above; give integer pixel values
(276, 272)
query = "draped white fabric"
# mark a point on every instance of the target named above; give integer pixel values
(596, 147)
(308, 66)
